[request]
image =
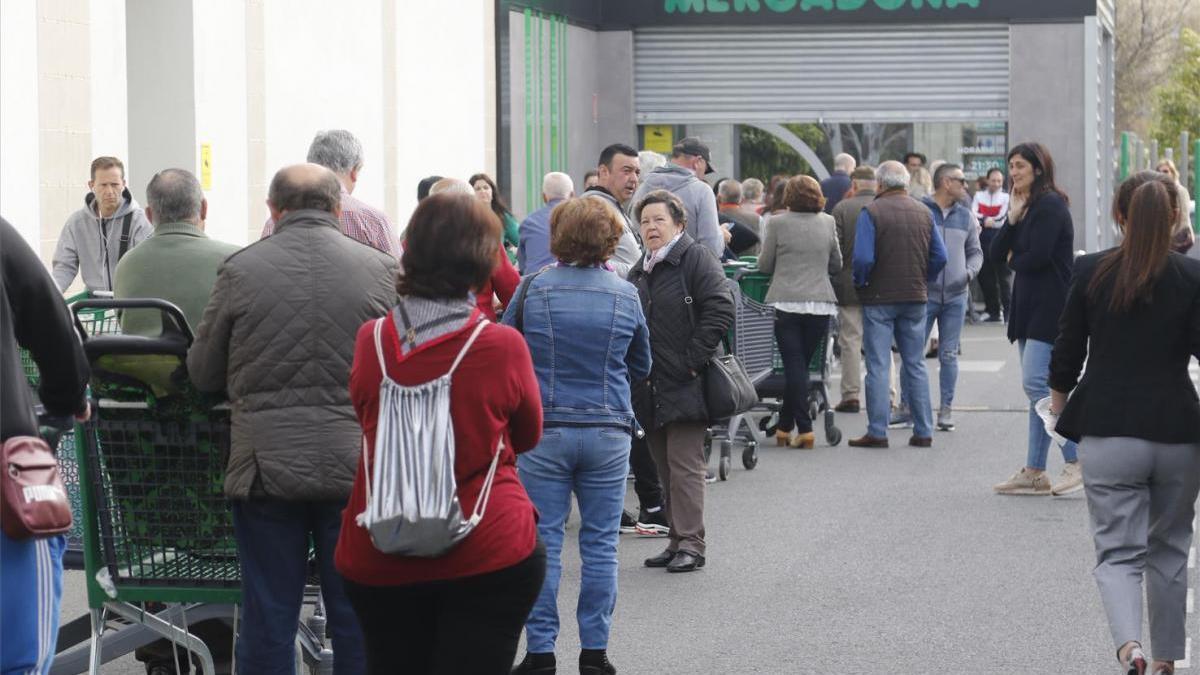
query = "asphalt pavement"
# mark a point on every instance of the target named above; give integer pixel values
(844, 560)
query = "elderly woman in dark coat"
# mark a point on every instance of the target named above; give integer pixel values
(688, 308)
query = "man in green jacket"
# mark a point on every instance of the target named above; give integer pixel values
(181, 266)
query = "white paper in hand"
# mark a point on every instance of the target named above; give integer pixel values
(1049, 419)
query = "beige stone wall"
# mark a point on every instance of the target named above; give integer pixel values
(64, 106)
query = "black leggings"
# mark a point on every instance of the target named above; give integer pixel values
(645, 475)
(799, 336)
(468, 625)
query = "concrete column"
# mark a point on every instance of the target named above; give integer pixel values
(257, 179)
(162, 89)
(20, 183)
(64, 112)
(1047, 104)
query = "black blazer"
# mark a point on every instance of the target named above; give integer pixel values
(1137, 382)
(1042, 247)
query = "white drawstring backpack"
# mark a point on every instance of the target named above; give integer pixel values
(412, 505)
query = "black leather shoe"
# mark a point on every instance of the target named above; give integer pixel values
(661, 560)
(921, 442)
(535, 664)
(685, 561)
(595, 662)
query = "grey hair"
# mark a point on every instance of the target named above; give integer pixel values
(648, 160)
(174, 196)
(557, 185)
(752, 189)
(453, 186)
(892, 175)
(844, 162)
(940, 174)
(337, 150)
(730, 192)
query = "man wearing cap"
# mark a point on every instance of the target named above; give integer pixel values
(690, 160)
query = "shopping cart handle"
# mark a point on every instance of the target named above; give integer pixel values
(163, 306)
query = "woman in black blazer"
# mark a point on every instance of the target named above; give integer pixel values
(1037, 243)
(1133, 313)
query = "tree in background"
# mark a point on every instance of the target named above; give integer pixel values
(1177, 102)
(870, 142)
(763, 155)
(1147, 36)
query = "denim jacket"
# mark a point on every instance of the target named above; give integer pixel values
(589, 341)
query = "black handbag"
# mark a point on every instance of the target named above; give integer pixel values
(727, 387)
(728, 390)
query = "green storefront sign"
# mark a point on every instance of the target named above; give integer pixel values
(625, 14)
(723, 6)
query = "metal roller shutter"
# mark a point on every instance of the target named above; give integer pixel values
(808, 73)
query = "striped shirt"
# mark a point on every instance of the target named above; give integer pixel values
(361, 222)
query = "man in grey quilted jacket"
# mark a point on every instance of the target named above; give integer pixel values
(278, 337)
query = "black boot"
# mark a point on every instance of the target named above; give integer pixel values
(595, 662)
(535, 664)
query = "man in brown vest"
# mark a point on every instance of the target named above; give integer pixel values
(897, 253)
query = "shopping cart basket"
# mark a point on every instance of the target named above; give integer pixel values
(96, 322)
(157, 527)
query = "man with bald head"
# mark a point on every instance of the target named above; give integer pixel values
(534, 251)
(278, 338)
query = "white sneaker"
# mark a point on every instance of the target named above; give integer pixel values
(1069, 481)
(1024, 482)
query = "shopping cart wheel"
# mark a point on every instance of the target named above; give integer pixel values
(832, 434)
(750, 456)
(726, 461)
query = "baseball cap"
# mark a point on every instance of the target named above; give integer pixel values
(692, 146)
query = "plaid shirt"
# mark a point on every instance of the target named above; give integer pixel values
(361, 222)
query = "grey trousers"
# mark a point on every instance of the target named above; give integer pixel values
(849, 339)
(1142, 498)
(678, 452)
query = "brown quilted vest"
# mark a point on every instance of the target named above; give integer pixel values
(903, 229)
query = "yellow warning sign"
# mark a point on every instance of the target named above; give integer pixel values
(659, 137)
(206, 166)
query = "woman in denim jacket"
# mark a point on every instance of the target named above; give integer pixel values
(589, 340)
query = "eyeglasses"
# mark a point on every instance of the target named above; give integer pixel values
(960, 179)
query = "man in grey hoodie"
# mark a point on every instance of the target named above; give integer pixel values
(99, 234)
(690, 159)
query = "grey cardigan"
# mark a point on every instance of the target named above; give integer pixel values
(800, 253)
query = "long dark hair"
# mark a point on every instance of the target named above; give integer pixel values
(1120, 206)
(498, 206)
(1043, 169)
(1134, 268)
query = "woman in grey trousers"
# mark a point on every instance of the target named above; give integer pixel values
(1133, 313)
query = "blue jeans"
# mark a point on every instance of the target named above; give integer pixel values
(1035, 375)
(272, 539)
(903, 323)
(949, 316)
(31, 586)
(592, 462)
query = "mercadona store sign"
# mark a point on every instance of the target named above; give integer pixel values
(661, 12)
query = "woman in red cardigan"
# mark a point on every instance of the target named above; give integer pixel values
(462, 612)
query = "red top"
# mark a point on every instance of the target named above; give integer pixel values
(503, 283)
(493, 392)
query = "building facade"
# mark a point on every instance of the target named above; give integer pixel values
(233, 90)
(958, 80)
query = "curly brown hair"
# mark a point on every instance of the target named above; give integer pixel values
(584, 231)
(803, 194)
(450, 247)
